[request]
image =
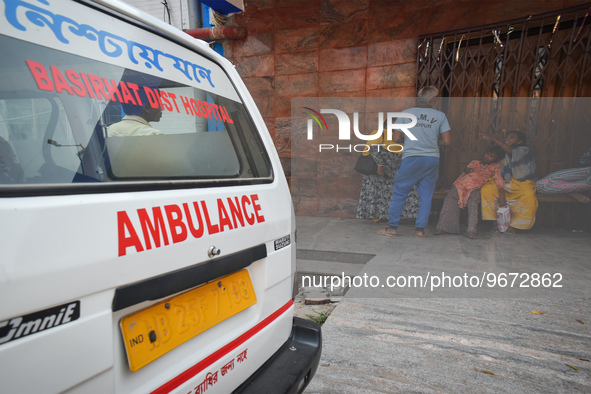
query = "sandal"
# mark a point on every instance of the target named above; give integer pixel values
(389, 232)
(439, 232)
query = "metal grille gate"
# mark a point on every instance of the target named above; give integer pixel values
(521, 74)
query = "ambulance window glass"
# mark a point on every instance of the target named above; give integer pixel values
(59, 114)
(37, 142)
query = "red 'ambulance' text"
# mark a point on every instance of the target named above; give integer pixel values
(181, 221)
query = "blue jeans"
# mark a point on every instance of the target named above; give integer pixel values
(422, 171)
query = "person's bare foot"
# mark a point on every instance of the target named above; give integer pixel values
(439, 232)
(418, 233)
(388, 231)
(580, 197)
(471, 234)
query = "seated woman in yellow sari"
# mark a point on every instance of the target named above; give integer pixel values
(519, 172)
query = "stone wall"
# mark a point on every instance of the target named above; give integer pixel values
(345, 48)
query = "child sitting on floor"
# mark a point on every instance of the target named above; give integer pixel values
(465, 192)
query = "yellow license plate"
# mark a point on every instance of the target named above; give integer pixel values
(154, 331)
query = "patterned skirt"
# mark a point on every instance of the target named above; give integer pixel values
(376, 190)
(521, 198)
(566, 181)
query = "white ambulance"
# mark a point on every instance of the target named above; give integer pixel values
(147, 235)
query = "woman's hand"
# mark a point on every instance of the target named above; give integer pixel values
(507, 148)
(502, 199)
(381, 170)
(485, 137)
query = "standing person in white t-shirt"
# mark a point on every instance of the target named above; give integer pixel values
(420, 160)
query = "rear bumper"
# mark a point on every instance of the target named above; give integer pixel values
(292, 367)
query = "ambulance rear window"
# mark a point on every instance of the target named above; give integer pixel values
(69, 118)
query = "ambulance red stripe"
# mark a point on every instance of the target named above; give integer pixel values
(206, 362)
